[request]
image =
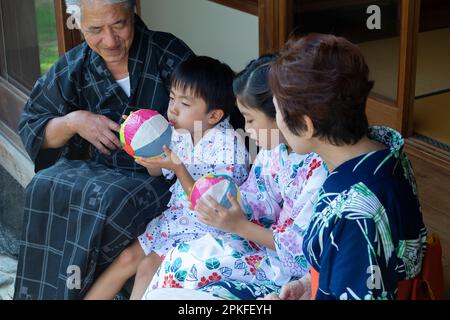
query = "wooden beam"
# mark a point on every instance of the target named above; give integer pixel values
(138, 8)
(275, 24)
(14, 157)
(409, 31)
(249, 6)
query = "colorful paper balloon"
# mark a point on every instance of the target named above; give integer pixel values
(144, 134)
(217, 186)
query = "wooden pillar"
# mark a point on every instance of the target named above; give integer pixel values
(275, 24)
(406, 92)
(67, 39)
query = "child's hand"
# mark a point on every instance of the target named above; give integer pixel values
(170, 161)
(125, 117)
(214, 215)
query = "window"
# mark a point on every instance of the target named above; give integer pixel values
(348, 19)
(432, 95)
(47, 35)
(29, 41)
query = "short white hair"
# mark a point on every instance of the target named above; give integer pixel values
(73, 7)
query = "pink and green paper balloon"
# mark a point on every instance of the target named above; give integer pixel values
(144, 134)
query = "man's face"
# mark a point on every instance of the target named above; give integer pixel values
(108, 30)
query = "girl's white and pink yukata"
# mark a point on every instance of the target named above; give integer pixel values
(279, 194)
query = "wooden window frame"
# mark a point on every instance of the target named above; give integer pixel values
(67, 39)
(275, 23)
(14, 96)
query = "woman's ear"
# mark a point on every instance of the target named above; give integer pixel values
(309, 128)
(215, 116)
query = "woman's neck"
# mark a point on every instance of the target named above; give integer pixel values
(336, 156)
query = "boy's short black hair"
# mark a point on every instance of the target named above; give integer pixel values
(208, 79)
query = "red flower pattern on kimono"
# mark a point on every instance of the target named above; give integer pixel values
(253, 261)
(203, 282)
(170, 282)
(315, 164)
(215, 277)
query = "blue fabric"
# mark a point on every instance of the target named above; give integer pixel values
(237, 290)
(367, 232)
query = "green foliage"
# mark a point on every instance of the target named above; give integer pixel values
(47, 36)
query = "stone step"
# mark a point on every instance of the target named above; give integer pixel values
(8, 269)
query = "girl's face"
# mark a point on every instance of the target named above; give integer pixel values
(300, 144)
(188, 112)
(261, 128)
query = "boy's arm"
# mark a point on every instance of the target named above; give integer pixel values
(155, 172)
(170, 162)
(185, 178)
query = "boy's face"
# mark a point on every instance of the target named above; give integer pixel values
(262, 129)
(187, 111)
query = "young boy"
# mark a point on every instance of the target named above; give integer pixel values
(204, 142)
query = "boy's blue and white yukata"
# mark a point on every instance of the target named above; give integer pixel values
(221, 151)
(278, 195)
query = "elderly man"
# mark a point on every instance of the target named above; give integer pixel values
(85, 208)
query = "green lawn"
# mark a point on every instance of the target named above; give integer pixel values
(47, 37)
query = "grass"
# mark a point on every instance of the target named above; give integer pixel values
(47, 36)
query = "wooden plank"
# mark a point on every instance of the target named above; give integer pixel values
(12, 101)
(14, 158)
(440, 224)
(433, 184)
(435, 156)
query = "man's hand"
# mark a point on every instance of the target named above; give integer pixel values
(96, 129)
(214, 215)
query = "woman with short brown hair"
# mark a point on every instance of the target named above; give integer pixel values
(367, 232)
